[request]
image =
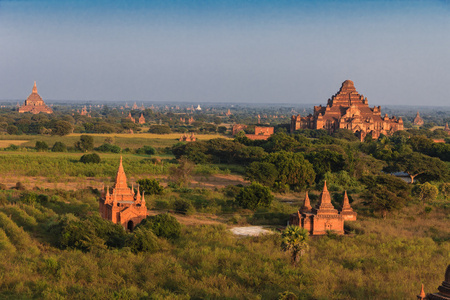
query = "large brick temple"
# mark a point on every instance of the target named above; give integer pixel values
(350, 110)
(122, 205)
(34, 104)
(324, 217)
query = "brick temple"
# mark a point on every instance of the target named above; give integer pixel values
(122, 205)
(324, 217)
(34, 104)
(418, 120)
(443, 290)
(350, 110)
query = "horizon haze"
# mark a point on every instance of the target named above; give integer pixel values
(396, 52)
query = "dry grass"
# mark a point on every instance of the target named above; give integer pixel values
(6, 143)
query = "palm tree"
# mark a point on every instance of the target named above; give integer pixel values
(295, 240)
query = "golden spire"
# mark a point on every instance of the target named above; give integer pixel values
(121, 178)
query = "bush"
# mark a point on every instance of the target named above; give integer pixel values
(59, 147)
(90, 158)
(183, 207)
(150, 186)
(41, 146)
(146, 150)
(20, 186)
(254, 196)
(163, 225)
(108, 148)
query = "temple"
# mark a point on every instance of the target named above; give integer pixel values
(142, 119)
(418, 120)
(122, 205)
(347, 109)
(324, 217)
(444, 290)
(34, 104)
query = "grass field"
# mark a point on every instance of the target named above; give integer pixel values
(122, 140)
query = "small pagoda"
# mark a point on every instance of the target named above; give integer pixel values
(122, 205)
(34, 104)
(443, 290)
(323, 217)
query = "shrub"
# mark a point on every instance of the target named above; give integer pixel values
(108, 148)
(90, 158)
(254, 196)
(146, 150)
(59, 147)
(41, 146)
(182, 206)
(86, 143)
(20, 186)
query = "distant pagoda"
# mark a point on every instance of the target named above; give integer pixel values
(34, 104)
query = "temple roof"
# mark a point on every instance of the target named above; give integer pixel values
(306, 204)
(324, 205)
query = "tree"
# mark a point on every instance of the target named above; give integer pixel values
(150, 186)
(254, 196)
(181, 174)
(41, 146)
(143, 240)
(86, 143)
(149, 150)
(415, 164)
(222, 129)
(59, 147)
(293, 169)
(11, 129)
(90, 158)
(385, 193)
(445, 190)
(108, 148)
(262, 172)
(62, 128)
(163, 225)
(295, 240)
(326, 161)
(425, 192)
(159, 129)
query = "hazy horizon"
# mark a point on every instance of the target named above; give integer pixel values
(297, 52)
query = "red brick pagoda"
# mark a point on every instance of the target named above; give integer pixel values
(348, 109)
(324, 217)
(34, 104)
(122, 205)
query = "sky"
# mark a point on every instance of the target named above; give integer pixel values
(248, 51)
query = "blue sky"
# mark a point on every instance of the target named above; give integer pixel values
(396, 52)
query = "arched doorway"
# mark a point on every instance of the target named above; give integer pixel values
(130, 225)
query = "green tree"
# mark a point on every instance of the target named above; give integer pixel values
(415, 164)
(385, 193)
(262, 172)
(293, 169)
(254, 196)
(445, 189)
(163, 225)
(86, 143)
(62, 128)
(143, 240)
(59, 147)
(150, 186)
(295, 240)
(11, 129)
(425, 192)
(41, 146)
(159, 129)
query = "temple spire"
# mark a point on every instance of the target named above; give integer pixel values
(346, 202)
(121, 179)
(422, 294)
(306, 204)
(324, 205)
(34, 88)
